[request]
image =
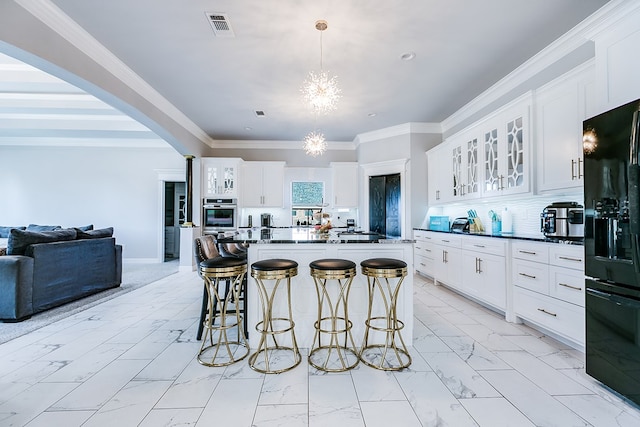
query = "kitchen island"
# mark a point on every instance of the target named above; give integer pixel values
(304, 245)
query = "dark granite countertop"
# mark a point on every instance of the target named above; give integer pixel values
(531, 237)
(305, 235)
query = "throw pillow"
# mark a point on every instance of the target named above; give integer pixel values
(85, 228)
(94, 234)
(4, 231)
(20, 239)
(36, 227)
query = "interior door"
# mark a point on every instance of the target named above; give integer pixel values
(384, 204)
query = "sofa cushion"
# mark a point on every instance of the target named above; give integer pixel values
(36, 227)
(85, 227)
(19, 240)
(4, 231)
(94, 234)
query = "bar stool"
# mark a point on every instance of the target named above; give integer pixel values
(223, 281)
(393, 354)
(276, 358)
(333, 356)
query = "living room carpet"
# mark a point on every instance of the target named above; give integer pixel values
(134, 276)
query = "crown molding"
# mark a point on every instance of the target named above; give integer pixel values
(277, 145)
(68, 29)
(558, 49)
(398, 130)
(84, 142)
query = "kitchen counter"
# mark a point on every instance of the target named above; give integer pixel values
(530, 237)
(306, 235)
(304, 245)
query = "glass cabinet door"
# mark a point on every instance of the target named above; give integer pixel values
(458, 185)
(221, 180)
(515, 153)
(472, 187)
(491, 179)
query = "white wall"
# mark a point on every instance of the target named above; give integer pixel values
(76, 186)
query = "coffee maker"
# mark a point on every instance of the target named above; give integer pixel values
(266, 220)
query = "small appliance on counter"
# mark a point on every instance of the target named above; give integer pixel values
(563, 219)
(351, 225)
(266, 220)
(439, 223)
(460, 225)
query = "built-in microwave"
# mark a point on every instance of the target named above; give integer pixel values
(219, 215)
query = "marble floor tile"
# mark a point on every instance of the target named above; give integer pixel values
(432, 402)
(495, 412)
(389, 413)
(541, 374)
(461, 380)
(333, 401)
(537, 405)
(61, 418)
(281, 416)
(130, 405)
(132, 361)
(172, 417)
(233, 403)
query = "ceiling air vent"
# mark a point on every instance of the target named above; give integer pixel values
(220, 24)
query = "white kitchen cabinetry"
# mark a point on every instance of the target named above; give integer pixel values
(548, 281)
(220, 177)
(263, 184)
(505, 150)
(423, 252)
(465, 151)
(447, 256)
(439, 175)
(561, 107)
(344, 184)
(484, 270)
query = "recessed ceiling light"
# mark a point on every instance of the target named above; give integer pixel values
(371, 114)
(408, 56)
(248, 128)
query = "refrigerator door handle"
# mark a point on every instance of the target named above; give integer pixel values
(634, 190)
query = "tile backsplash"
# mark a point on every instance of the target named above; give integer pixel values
(525, 212)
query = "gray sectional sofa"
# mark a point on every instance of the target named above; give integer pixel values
(45, 269)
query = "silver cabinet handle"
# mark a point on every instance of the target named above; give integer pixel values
(566, 258)
(547, 312)
(527, 275)
(479, 246)
(573, 174)
(577, 288)
(527, 252)
(580, 174)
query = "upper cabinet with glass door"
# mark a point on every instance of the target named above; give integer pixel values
(506, 150)
(220, 177)
(465, 152)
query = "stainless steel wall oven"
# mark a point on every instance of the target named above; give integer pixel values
(219, 215)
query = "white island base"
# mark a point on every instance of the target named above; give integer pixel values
(304, 298)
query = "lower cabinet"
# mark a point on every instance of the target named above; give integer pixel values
(548, 289)
(538, 282)
(484, 270)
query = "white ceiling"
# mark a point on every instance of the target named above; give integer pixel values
(462, 48)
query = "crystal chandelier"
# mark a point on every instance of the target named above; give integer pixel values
(319, 90)
(314, 144)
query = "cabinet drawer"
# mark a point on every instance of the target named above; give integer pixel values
(447, 239)
(567, 285)
(530, 275)
(557, 316)
(424, 249)
(421, 235)
(485, 245)
(567, 256)
(532, 251)
(423, 265)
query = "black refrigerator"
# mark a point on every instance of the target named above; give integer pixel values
(612, 248)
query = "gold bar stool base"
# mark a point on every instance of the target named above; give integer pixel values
(276, 358)
(223, 343)
(392, 355)
(334, 356)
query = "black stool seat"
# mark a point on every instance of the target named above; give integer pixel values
(274, 264)
(383, 263)
(222, 262)
(332, 264)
